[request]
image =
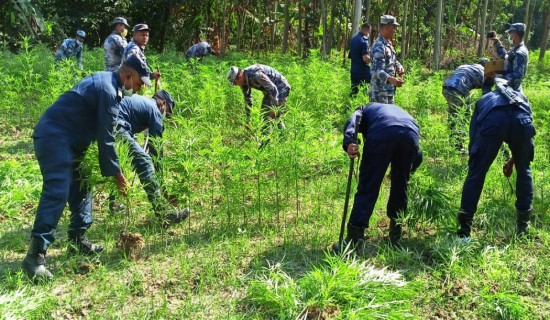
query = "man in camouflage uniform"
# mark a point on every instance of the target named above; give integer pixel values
(72, 48)
(266, 79)
(115, 44)
(385, 66)
(136, 47)
(456, 90)
(517, 58)
(200, 50)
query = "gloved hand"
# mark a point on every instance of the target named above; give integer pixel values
(508, 168)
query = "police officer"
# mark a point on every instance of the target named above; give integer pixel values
(64, 132)
(385, 66)
(391, 137)
(136, 47)
(359, 53)
(274, 86)
(136, 114)
(497, 119)
(516, 58)
(200, 50)
(72, 48)
(456, 89)
(115, 44)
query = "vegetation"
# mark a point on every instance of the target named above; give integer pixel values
(255, 245)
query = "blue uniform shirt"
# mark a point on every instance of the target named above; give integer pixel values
(133, 49)
(114, 47)
(199, 50)
(375, 118)
(87, 113)
(138, 113)
(359, 46)
(465, 78)
(70, 48)
(515, 65)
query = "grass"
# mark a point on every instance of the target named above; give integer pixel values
(255, 246)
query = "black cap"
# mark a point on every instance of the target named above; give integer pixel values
(139, 65)
(141, 27)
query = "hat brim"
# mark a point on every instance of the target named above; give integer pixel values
(146, 80)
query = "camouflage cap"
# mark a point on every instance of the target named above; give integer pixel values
(516, 27)
(164, 95)
(81, 33)
(119, 20)
(387, 19)
(232, 75)
(141, 27)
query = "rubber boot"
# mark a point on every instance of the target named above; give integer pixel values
(172, 217)
(395, 232)
(465, 225)
(523, 222)
(80, 243)
(34, 263)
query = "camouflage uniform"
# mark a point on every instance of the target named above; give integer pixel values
(515, 65)
(456, 90)
(199, 50)
(384, 65)
(133, 49)
(268, 80)
(114, 47)
(70, 48)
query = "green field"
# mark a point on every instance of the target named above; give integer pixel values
(256, 244)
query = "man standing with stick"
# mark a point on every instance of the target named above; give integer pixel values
(391, 137)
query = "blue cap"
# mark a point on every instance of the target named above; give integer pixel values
(164, 95)
(81, 33)
(118, 20)
(142, 69)
(516, 27)
(141, 27)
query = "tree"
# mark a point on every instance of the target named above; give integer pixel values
(287, 26)
(483, 15)
(437, 48)
(544, 34)
(356, 17)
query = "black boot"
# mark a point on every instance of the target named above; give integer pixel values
(354, 234)
(395, 232)
(465, 225)
(172, 217)
(34, 263)
(80, 243)
(523, 222)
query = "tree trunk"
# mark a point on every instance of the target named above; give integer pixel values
(272, 26)
(404, 32)
(491, 18)
(356, 17)
(411, 20)
(300, 40)
(526, 20)
(367, 10)
(331, 27)
(437, 46)
(287, 26)
(324, 48)
(544, 35)
(482, 28)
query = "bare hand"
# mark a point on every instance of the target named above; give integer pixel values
(366, 58)
(353, 151)
(490, 74)
(156, 75)
(508, 168)
(397, 82)
(401, 71)
(122, 184)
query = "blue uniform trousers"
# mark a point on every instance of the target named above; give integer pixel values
(143, 165)
(400, 149)
(503, 124)
(359, 79)
(62, 182)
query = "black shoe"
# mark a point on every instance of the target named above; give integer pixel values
(34, 263)
(395, 233)
(522, 221)
(354, 236)
(79, 243)
(465, 225)
(173, 217)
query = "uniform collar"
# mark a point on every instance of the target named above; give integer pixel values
(384, 40)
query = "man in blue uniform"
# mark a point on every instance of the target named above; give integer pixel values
(274, 86)
(136, 47)
(516, 59)
(359, 53)
(72, 48)
(200, 50)
(391, 137)
(115, 44)
(385, 67)
(80, 116)
(456, 90)
(502, 115)
(136, 114)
